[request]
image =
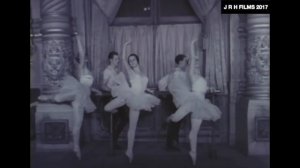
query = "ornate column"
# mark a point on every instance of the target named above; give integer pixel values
(253, 116)
(258, 56)
(54, 122)
(57, 42)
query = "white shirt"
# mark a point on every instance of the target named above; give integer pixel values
(109, 75)
(179, 86)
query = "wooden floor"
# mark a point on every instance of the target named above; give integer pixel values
(147, 155)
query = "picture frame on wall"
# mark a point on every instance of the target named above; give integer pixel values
(56, 131)
(262, 129)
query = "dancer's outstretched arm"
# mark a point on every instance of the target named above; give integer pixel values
(192, 65)
(128, 70)
(124, 57)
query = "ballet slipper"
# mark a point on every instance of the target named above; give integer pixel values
(77, 151)
(129, 156)
(193, 157)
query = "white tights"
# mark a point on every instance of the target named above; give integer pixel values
(195, 126)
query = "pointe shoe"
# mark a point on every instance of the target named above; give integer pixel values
(193, 157)
(129, 156)
(77, 152)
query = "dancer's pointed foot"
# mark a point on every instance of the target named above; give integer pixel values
(129, 156)
(193, 157)
(77, 152)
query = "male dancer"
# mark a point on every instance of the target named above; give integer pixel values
(178, 85)
(120, 119)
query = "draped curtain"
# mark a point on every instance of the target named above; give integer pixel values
(109, 8)
(172, 40)
(214, 42)
(156, 57)
(97, 41)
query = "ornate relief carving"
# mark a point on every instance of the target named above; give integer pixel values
(56, 54)
(258, 61)
(57, 46)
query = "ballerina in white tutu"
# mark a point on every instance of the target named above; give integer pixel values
(78, 93)
(196, 104)
(133, 95)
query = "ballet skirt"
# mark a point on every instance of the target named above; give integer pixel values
(179, 87)
(135, 96)
(200, 107)
(86, 77)
(86, 80)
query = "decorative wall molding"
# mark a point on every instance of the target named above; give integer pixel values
(57, 53)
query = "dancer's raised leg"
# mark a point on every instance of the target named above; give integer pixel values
(180, 113)
(115, 103)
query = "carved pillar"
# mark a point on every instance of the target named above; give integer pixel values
(258, 56)
(54, 122)
(57, 42)
(253, 107)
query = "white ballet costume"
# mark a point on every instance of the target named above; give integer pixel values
(134, 97)
(86, 80)
(196, 103)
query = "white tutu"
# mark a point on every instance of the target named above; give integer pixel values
(76, 92)
(142, 101)
(84, 96)
(196, 103)
(179, 87)
(202, 108)
(200, 85)
(135, 97)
